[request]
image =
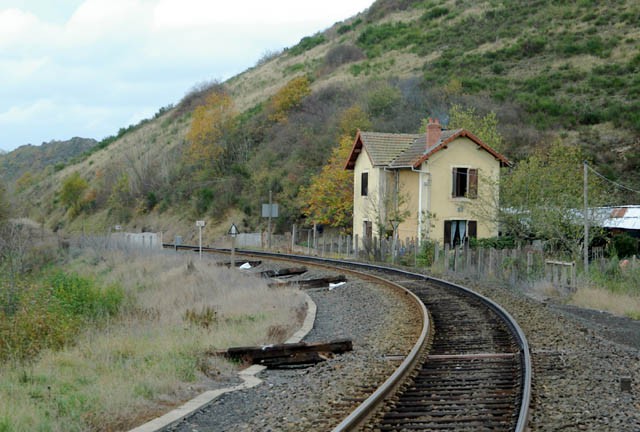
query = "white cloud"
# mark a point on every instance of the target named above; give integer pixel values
(89, 67)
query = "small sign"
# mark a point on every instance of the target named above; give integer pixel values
(118, 227)
(233, 231)
(200, 223)
(265, 210)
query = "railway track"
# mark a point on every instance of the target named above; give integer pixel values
(470, 371)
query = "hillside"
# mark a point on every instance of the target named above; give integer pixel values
(548, 69)
(35, 159)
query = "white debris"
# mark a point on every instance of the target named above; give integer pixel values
(335, 285)
(245, 266)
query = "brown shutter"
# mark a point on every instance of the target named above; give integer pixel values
(447, 232)
(472, 229)
(364, 184)
(473, 183)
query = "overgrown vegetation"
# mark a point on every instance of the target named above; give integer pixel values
(49, 310)
(111, 348)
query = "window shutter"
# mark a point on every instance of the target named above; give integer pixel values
(472, 229)
(447, 232)
(454, 174)
(473, 183)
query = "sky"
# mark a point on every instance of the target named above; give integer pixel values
(89, 67)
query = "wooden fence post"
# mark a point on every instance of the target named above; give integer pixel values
(446, 257)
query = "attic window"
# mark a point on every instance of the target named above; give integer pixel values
(364, 184)
(464, 183)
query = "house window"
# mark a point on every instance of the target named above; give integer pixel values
(364, 184)
(464, 183)
(456, 232)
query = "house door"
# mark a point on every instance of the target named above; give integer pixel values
(456, 232)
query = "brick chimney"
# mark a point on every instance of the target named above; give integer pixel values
(433, 132)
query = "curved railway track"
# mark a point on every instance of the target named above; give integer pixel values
(470, 370)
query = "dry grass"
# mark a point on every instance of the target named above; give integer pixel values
(152, 358)
(621, 304)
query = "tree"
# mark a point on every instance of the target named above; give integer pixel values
(288, 97)
(211, 123)
(328, 200)
(71, 194)
(485, 128)
(5, 208)
(542, 197)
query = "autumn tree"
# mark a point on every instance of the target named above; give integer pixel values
(72, 192)
(288, 97)
(211, 125)
(328, 200)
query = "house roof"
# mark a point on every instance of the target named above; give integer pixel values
(407, 150)
(623, 217)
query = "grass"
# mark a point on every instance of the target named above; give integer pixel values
(153, 355)
(621, 304)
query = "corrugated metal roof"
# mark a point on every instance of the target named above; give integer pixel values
(622, 217)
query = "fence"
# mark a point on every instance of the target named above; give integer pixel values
(517, 266)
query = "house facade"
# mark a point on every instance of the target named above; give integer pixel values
(441, 185)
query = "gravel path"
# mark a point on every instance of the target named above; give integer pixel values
(378, 321)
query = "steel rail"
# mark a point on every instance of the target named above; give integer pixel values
(368, 407)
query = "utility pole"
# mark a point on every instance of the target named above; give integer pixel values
(269, 223)
(586, 220)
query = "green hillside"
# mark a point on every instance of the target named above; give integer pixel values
(549, 70)
(32, 160)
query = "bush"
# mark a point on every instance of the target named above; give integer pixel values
(342, 54)
(306, 43)
(493, 243)
(427, 254)
(623, 245)
(49, 311)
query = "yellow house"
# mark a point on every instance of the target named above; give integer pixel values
(439, 185)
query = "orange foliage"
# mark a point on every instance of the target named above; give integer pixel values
(210, 123)
(329, 198)
(288, 97)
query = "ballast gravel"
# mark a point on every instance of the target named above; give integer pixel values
(382, 325)
(580, 359)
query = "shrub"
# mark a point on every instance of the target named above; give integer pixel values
(623, 245)
(427, 254)
(342, 54)
(306, 43)
(435, 12)
(49, 311)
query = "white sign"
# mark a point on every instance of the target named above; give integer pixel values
(269, 210)
(200, 223)
(233, 231)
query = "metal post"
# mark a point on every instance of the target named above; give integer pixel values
(200, 240)
(586, 221)
(293, 238)
(269, 225)
(233, 251)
